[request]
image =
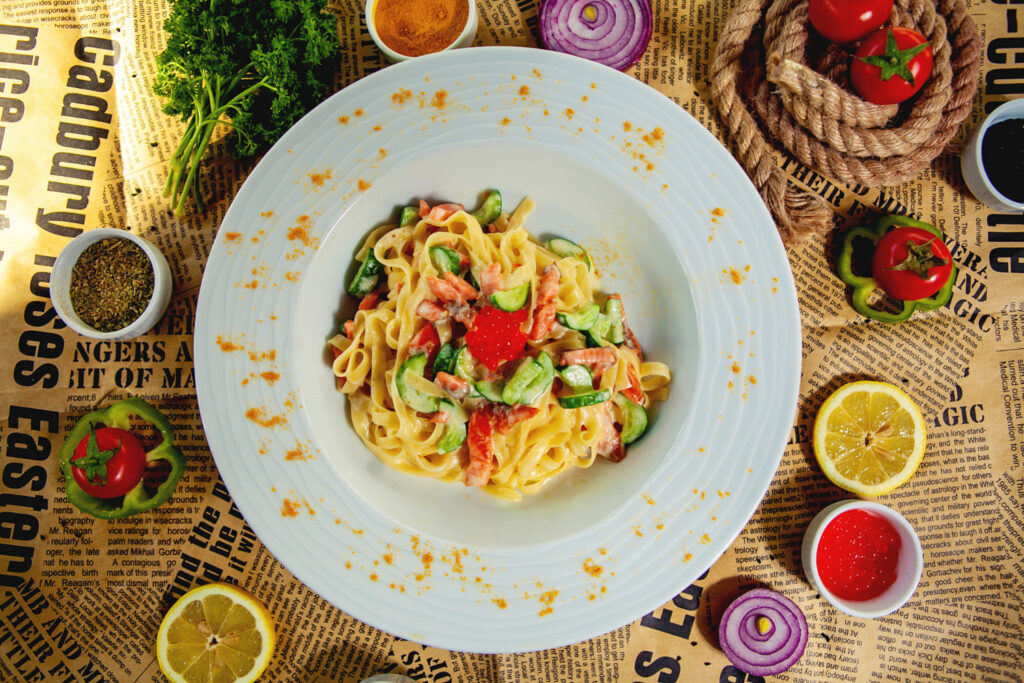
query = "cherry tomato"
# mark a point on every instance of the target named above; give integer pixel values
(124, 469)
(910, 276)
(891, 65)
(844, 21)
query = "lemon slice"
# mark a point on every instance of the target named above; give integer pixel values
(869, 437)
(218, 633)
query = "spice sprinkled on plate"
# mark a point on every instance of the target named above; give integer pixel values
(111, 284)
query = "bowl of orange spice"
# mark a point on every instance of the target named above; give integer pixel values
(404, 29)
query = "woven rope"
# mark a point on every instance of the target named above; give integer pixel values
(768, 93)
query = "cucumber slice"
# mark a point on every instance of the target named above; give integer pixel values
(445, 260)
(598, 332)
(582, 319)
(525, 373)
(410, 215)
(445, 361)
(367, 276)
(577, 376)
(634, 419)
(587, 398)
(542, 384)
(511, 299)
(413, 398)
(489, 210)
(564, 247)
(455, 430)
(463, 367)
(491, 390)
(613, 309)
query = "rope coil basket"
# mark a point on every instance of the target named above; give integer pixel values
(774, 83)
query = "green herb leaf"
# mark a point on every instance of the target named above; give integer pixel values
(95, 461)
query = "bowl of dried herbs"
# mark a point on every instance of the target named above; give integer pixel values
(110, 284)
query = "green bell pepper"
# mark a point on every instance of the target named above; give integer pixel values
(864, 286)
(137, 500)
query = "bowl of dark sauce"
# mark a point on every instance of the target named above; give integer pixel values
(993, 162)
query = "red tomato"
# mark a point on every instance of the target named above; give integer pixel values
(123, 470)
(908, 276)
(844, 21)
(891, 65)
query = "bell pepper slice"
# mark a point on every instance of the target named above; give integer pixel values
(864, 286)
(137, 500)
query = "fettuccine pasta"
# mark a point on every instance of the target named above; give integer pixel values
(478, 354)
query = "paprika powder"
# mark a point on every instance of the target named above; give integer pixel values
(418, 27)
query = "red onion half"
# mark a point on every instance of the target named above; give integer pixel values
(774, 647)
(612, 32)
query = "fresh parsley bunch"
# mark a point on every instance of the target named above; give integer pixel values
(254, 65)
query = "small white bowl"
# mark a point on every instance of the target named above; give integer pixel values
(973, 169)
(465, 38)
(909, 566)
(60, 285)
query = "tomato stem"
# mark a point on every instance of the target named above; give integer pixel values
(920, 259)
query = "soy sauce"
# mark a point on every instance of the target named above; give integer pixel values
(1002, 153)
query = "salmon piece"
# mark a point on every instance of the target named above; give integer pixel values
(451, 290)
(350, 328)
(602, 355)
(444, 291)
(506, 417)
(631, 340)
(610, 446)
(634, 392)
(441, 212)
(428, 310)
(490, 280)
(370, 301)
(456, 386)
(440, 417)
(481, 449)
(465, 289)
(544, 310)
(424, 209)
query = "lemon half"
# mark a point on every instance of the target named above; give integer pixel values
(218, 633)
(869, 437)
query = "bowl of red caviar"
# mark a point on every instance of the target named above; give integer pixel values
(863, 557)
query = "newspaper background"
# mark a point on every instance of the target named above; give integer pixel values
(82, 599)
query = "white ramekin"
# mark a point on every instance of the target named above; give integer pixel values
(465, 38)
(60, 285)
(909, 566)
(973, 169)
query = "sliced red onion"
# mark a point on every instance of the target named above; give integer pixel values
(611, 32)
(774, 647)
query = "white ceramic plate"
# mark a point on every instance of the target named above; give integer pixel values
(672, 223)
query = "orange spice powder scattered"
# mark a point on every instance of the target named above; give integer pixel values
(594, 570)
(505, 121)
(297, 453)
(569, 113)
(735, 368)
(500, 602)
(363, 185)
(233, 236)
(343, 120)
(270, 377)
(260, 417)
(318, 179)
(718, 211)
(226, 345)
(524, 90)
(292, 276)
(289, 509)
(440, 100)
(401, 96)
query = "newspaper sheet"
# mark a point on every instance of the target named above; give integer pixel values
(83, 144)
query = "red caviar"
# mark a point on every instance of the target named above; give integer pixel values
(496, 336)
(857, 555)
